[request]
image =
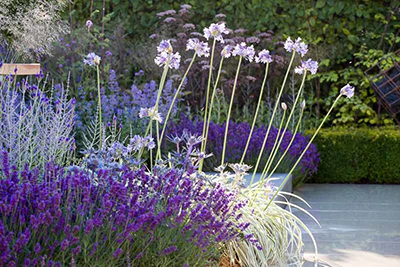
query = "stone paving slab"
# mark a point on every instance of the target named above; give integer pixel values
(360, 224)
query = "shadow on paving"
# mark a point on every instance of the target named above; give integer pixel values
(360, 224)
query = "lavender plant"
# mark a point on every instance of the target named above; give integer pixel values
(169, 217)
(35, 128)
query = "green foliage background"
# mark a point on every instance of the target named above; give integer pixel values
(350, 155)
(346, 37)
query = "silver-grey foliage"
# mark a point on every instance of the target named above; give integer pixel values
(35, 128)
(30, 27)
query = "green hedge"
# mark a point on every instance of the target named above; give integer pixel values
(360, 155)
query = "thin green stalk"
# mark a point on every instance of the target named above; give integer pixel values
(273, 116)
(204, 145)
(160, 87)
(275, 143)
(287, 149)
(269, 162)
(304, 152)
(99, 96)
(172, 104)
(229, 110)
(256, 114)
(208, 89)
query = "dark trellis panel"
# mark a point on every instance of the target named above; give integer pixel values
(385, 80)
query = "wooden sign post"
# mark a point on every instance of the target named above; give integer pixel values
(22, 69)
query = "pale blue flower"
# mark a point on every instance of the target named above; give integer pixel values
(165, 46)
(151, 113)
(308, 65)
(244, 51)
(201, 48)
(175, 61)
(89, 23)
(347, 90)
(227, 51)
(92, 59)
(298, 46)
(215, 31)
(264, 57)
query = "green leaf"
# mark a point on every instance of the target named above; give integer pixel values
(312, 21)
(320, 4)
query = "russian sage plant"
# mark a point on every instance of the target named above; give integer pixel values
(35, 128)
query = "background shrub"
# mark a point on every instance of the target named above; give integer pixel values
(357, 155)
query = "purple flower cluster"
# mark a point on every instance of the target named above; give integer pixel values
(298, 46)
(309, 65)
(166, 56)
(60, 217)
(244, 51)
(237, 137)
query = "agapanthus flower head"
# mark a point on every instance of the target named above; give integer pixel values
(165, 46)
(173, 60)
(89, 23)
(244, 51)
(303, 104)
(298, 46)
(201, 48)
(92, 59)
(264, 57)
(215, 31)
(151, 113)
(227, 51)
(308, 65)
(347, 90)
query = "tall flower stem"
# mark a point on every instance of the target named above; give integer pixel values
(160, 88)
(273, 116)
(229, 110)
(304, 151)
(286, 150)
(272, 155)
(256, 114)
(208, 89)
(204, 144)
(172, 105)
(99, 104)
(275, 142)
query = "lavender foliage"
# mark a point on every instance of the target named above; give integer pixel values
(61, 217)
(237, 137)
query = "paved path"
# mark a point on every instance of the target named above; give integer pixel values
(360, 224)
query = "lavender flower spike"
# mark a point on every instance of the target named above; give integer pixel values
(347, 90)
(308, 65)
(298, 46)
(264, 57)
(201, 48)
(92, 59)
(216, 31)
(245, 51)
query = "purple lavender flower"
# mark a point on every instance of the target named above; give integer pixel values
(108, 53)
(117, 253)
(244, 51)
(201, 48)
(308, 65)
(264, 57)
(92, 59)
(298, 46)
(347, 90)
(215, 31)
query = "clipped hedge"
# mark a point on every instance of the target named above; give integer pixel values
(358, 155)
